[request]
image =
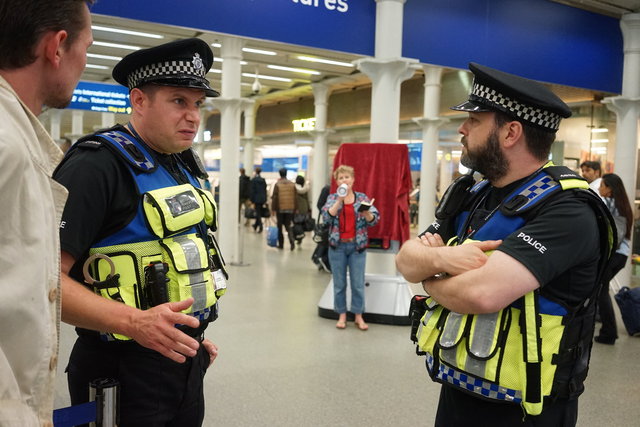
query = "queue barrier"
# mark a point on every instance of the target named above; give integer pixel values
(101, 411)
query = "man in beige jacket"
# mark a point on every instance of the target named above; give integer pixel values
(283, 206)
(44, 46)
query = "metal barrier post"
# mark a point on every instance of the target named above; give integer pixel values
(106, 393)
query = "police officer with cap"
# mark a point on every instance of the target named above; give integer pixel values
(142, 272)
(510, 266)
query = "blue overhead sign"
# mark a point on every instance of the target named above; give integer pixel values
(101, 97)
(538, 39)
(341, 25)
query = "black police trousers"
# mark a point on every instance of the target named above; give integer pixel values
(154, 391)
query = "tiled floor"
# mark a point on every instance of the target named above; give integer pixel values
(282, 365)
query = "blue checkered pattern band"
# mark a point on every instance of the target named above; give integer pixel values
(202, 314)
(473, 384)
(542, 185)
(536, 116)
(128, 146)
(177, 69)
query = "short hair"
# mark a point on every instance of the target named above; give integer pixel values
(300, 180)
(258, 169)
(538, 140)
(343, 169)
(591, 164)
(24, 22)
(242, 171)
(283, 172)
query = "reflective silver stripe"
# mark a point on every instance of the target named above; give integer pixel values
(197, 281)
(451, 329)
(481, 342)
(476, 385)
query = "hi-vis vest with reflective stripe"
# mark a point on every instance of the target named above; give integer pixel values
(172, 225)
(513, 355)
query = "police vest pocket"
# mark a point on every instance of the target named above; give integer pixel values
(172, 210)
(127, 290)
(428, 330)
(210, 209)
(189, 271)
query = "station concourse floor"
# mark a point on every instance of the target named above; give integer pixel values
(280, 364)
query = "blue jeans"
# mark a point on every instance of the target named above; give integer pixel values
(345, 255)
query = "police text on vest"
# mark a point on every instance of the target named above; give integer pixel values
(539, 246)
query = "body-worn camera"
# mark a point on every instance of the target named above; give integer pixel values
(155, 275)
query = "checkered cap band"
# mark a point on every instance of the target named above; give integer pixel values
(536, 116)
(177, 69)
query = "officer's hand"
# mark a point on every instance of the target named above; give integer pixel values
(432, 240)
(458, 259)
(212, 349)
(155, 329)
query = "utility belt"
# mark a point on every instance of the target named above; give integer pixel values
(181, 260)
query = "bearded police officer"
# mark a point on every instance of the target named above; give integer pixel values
(511, 266)
(141, 269)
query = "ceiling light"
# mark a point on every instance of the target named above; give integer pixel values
(217, 59)
(262, 76)
(599, 130)
(99, 67)
(259, 51)
(95, 55)
(216, 45)
(117, 45)
(129, 32)
(294, 70)
(213, 70)
(600, 140)
(325, 61)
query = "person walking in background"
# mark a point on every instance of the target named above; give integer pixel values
(348, 238)
(303, 207)
(592, 172)
(283, 206)
(244, 193)
(258, 196)
(44, 46)
(615, 197)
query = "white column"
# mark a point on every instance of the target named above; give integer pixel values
(627, 109)
(249, 135)
(230, 106)
(77, 125)
(320, 172)
(55, 116)
(430, 123)
(108, 120)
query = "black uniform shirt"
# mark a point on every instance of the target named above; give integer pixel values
(560, 245)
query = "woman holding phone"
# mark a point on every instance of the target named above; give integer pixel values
(349, 214)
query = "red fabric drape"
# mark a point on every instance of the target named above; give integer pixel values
(382, 171)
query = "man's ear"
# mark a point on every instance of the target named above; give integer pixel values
(51, 46)
(512, 132)
(137, 97)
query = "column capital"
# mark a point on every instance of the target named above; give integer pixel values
(222, 103)
(231, 48)
(400, 67)
(621, 104)
(430, 121)
(321, 92)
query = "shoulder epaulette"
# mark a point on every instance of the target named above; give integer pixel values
(136, 155)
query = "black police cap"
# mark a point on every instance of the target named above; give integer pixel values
(182, 63)
(520, 98)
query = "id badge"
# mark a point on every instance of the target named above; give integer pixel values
(219, 281)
